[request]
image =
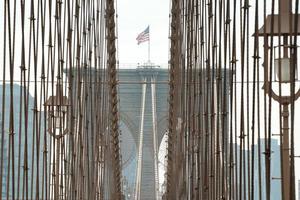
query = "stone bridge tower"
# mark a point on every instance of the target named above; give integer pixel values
(143, 94)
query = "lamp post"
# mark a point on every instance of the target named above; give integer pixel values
(56, 109)
(282, 27)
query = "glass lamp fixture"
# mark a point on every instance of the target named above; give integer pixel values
(283, 70)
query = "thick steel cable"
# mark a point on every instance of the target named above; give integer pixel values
(111, 64)
(171, 185)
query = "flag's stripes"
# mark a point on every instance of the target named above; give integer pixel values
(143, 36)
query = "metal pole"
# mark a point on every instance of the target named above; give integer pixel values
(149, 48)
(56, 182)
(285, 9)
(285, 152)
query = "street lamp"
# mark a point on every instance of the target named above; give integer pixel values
(56, 109)
(281, 26)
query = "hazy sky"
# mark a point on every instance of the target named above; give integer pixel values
(134, 17)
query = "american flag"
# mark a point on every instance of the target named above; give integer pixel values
(143, 36)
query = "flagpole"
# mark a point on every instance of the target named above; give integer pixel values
(149, 47)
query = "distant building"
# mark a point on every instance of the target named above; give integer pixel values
(19, 142)
(275, 171)
(298, 189)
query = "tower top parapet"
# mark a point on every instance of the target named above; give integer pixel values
(147, 65)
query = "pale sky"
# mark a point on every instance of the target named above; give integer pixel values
(133, 18)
